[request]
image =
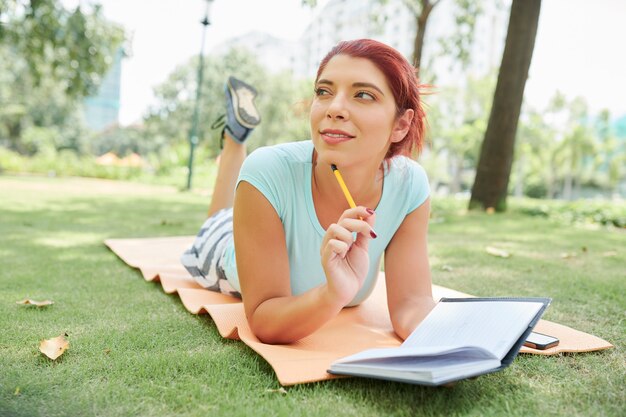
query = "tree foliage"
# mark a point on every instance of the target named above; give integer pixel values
(562, 148)
(75, 48)
(611, 153)
(50, 59)
(457, 118)
(26, 108)
(282, 102)
(457, 45)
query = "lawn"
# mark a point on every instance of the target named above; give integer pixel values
(135, 350)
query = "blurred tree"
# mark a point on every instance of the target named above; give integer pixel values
(75, 48)
(558, 151)
(534, 168)
(577, 150)
(24, 105)
(282, 101)
(612, 159)
(457, 44)
(457, 121)
(123, 141)
(50, 58)
(496, 155)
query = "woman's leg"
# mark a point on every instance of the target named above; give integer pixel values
(231, 159)
(242, 117)
(203, 260)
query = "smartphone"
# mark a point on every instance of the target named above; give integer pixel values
(540, 341)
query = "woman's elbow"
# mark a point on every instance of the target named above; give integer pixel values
(268, 331)
(406, 318)
(401, 329)
(266, 334)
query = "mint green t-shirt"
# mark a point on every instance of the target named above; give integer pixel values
(282, 173)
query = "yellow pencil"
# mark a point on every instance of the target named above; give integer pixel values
(343, 186)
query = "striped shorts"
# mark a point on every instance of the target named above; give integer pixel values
(203, 259)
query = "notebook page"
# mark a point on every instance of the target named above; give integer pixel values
(492, 325)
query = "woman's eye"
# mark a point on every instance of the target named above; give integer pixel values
(321, 92)
(365, 95)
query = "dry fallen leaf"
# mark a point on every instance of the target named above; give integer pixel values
(28, 301)
(53, 348)
(497, 252)
(280, 390)
(490, 210)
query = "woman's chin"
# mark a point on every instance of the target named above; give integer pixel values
(328, 156)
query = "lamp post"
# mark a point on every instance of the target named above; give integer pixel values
(193, 133)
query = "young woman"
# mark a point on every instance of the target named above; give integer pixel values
(302, 253)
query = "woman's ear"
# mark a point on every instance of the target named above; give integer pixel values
(402, 125)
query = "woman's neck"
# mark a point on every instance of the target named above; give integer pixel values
(364, 182)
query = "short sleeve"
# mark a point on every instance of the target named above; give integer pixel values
(262, 169)
(420, 187)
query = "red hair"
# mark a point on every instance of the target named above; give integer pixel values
(403, 82)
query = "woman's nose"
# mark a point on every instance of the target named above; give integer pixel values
(337, 109)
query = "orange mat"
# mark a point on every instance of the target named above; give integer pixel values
(354, 329)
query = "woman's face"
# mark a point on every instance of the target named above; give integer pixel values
(353, 114)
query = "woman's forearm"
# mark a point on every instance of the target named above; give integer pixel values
(288, 319)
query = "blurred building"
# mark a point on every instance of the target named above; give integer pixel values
(102, 110)
(391, 23)
(273, 53)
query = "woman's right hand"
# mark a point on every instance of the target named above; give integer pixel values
(345, 260)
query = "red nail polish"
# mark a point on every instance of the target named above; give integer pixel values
(373, 235)
(369, 210)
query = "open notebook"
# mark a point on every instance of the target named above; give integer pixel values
(460, 338)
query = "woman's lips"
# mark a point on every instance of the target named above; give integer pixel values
(332, 136)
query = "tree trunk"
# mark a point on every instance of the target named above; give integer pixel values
(577, 190)
(550, 183)
(519, 185)
(550, 190)
(456, 166)
(421, 20)
(496, 154)
(567, 186)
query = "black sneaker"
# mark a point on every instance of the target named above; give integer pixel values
(242, 115)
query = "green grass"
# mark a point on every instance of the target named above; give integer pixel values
(136, 351)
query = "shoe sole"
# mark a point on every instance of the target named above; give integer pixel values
(243, 102)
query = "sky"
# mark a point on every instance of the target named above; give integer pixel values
(579, 48)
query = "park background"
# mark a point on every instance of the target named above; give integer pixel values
(124, 107)
(96, 121)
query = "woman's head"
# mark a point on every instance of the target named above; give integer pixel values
(401, 79)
